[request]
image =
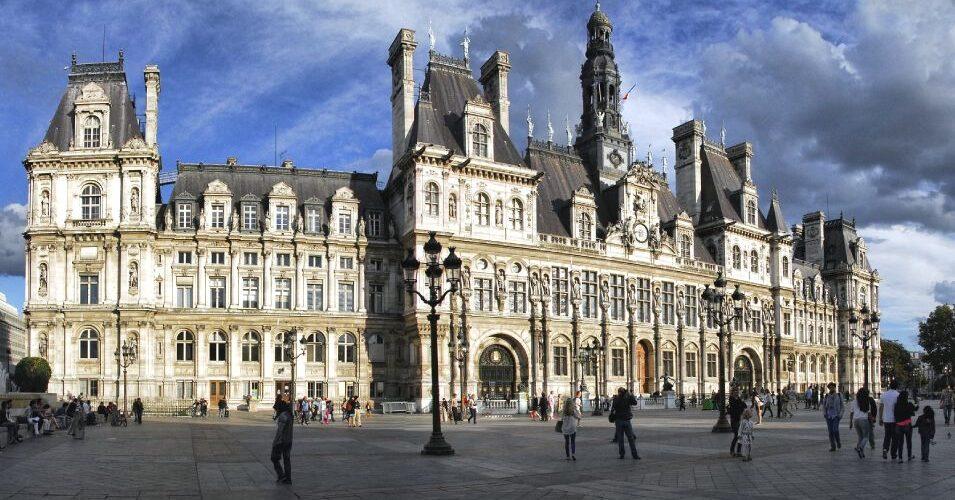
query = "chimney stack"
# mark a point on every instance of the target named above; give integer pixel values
(688, 139)
(741, 156)
(151, 76)
(401, 60)
(494, 80)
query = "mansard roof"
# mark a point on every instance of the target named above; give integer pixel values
(123, 124)
(841, 240)
(564, 173)
(439, 114)
(775, 221)
(244, 180)
(720, 193)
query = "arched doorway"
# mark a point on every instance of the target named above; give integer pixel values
(644, 376)
(497, 373)
(743, 373)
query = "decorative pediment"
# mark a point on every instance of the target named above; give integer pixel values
(45, 147)
(641, 173)
(282, 190)
(91, 93)
(583, 191)
(217, 187)
(135, 143)
(250, 197)
(344, 194)
(312, 200)
(185, 196)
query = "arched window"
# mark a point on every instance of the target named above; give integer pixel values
(315, 348)
(452, 207)
(250, 347)
(517, 214)
(586, 226)
(685, 246)
(91, 132)
(281, 355)
(802, 364)
(479, 141)
(754, 261)
(89, 344)
(751, 212)
(737, 258)
(483, 210)
(376, 348)
(786, 266)
(217, 347)
(91, 202)
(346, 348)
(432, 199)
(184, 346)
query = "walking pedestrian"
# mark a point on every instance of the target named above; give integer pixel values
(534, 403)
(444, 409)
(472, 409)
(322, 410)
(735, 409)
(544, 409)
(757, 407)
(682, 402)
(887, 420)
(946, 403)
(926, 426)
(570, 418)
(746, 435)
(768, 404)
(138, 411)
(862, 416)
(222, 407)
(832, 407)
(620, 415)
(282, 442)
(356, 412)
(78, 425)
(904, 411)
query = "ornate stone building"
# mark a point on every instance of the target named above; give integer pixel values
(564, 245)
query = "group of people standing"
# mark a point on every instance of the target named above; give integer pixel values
(323, 410)
(452, 411)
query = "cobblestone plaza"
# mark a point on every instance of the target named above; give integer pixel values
(212, 458)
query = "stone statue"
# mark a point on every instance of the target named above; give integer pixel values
(202, 218)
(599, 118)
(654, 238)
(680, 304)
(45, 204)
(604, 294)
(550, 129)
(639, 204)
(632, 296)
(234, 221)
(575, 289)
(430, 36)
(657, 304)
(466, 43)
(361, 227)
(4, 378)
(133, 275)
(545, 286)
(535, 285)
(43, 279)
(501, 289)
(499, 213)
(530, 123)
(392, 229)
(466, 278)
(167, 219)
(134, 200)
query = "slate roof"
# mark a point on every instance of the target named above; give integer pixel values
(775, 221)
(123, 124)
(840, 242)
(721, 185)
(564, 173)
(447, 87)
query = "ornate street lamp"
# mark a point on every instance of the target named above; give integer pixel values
(583, 359)
(870, 328)
(590, 355)
(288, 346)
(458, 347)
(125, 356)
(722, 310)
(452, 264)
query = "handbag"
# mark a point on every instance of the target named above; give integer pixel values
(559, 427)
(612, 417)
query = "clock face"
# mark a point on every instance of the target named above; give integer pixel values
(615, 158)
(641, 233)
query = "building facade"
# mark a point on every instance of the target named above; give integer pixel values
(564, 246)
(13, 339)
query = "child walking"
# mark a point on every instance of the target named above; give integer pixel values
(746, 434)
(926, 426)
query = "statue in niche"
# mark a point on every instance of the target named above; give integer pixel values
(604, 294)
(545, 286)
(535, 285)
(202, 218)
(680, 304)
(45, 204)
(167, 218)
(632, 296)
(133, 276)
(639, 204)
(654, 238)
(234, 220)
(392, 229)
(43, 279)
(575, 289)
(465, 278)
(499, 213)
(501, 289)
(361, 227)
(134, 200)
(657, 304)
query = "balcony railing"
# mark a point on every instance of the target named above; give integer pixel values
(89, 222)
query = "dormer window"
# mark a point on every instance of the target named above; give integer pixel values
(785, 266)
(479, 139)
(250, 217)
(281, 217)
(432, 199)
(374, 224)
(344, 222)
(483, 210)
(586, 225)
(91, 202)
(217, 221)
(517, 214)
(91, 132)
(184, 215)
(751, 212)
(754, 262)
(737, 258)
(685, 246)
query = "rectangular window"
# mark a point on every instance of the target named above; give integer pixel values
(375, 265)
(482, 294)
(183, 296)
(690, 364)
(185, 389)
(559, 294)
(787, 324)
(643, 301)
(377, 389)
(588, 285)
(282, 217)
(346, 263)
(668, 316)
(374, 224)
(518, 296)
(314, 261)
(756, 321)
(89, 289)
(616, 363)
(217, 216)
(344, 222)
(250, 217)
(283, 259)
(185, 257)
(283, 293)
(346, 296)
(376, 298)
(711, 365)
(184, 215)
(313, 220)
(316, 389)
(250, 293)
(691, 317)
(253, 389)
(89, 387)
(217, 258)
(250, 258)
(668, 363)
(315, 296)
(617, 292)
(217, 293)
(560, 361)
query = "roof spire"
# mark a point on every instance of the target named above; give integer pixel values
(597, 7)
(530, 124)
(775, 195)
(723, 133)
(466, 43)
(649, 154)
(570, 135)
(430, 36)
(703, 126)
(550, 129)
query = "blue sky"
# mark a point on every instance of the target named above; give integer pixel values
(849, 104)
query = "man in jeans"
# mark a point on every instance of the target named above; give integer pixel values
(947, 402)
(832, 408)
(887, 419)
(622, 415)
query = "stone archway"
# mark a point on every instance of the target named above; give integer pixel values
(499, 367)
(743, 373)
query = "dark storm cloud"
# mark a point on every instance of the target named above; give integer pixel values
(944, 292)
(12, 224)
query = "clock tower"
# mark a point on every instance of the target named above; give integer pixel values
(604, 141)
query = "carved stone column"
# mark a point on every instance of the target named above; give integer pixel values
(533, 327)
(545, 342)
(631, 348)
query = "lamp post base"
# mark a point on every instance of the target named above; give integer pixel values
(437, 446)
(722, 425)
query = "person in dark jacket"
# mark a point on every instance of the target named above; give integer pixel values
(138, 411)
(926, 426)
(735, 409)
(543, 408)
(904, 411)
(282, 443)
(621, 414)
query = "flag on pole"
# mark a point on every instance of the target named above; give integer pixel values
(627, 93)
